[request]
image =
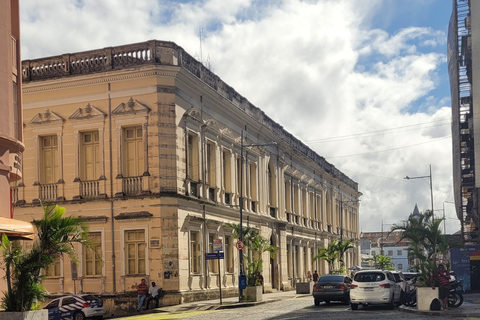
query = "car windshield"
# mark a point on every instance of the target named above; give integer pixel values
(397, 277)
(369, 277)
(89, 297)
(331, 279)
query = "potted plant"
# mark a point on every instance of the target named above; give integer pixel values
(426, 242)
(256, 245)
(55, 235)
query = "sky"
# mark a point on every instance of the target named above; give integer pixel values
(363, 83)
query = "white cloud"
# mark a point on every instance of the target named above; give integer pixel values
(313, 66)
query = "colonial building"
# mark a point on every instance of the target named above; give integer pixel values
(11, 138)
(145, 143)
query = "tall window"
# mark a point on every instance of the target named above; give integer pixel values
(289, 261)
(195, 254)
(227, 171)
(192, 157)
(133, 152)
(90, 157)
(93, 266)
(288, 197)
(212, 264)
(135, 251)
(228, 250)
(49, 159)
(54, 269)
(211, 170)
(253, 181)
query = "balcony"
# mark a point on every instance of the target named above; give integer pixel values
(132, 185)
(89, 189)
(48, 192)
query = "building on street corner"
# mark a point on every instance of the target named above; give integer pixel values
(144, 142)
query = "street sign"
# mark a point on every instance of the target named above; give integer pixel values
(73, 266)
(217, 245)
(239, 245)
(214, 255)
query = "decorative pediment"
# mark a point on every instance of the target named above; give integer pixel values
(212, 125)
(88, 113)
(227, 133)
(47, 118)
(194, 113)
(131, 107)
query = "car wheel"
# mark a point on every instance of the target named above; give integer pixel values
(79, 316)
(354, 306)
(317, 301)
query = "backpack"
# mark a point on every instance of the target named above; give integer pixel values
(436, 305)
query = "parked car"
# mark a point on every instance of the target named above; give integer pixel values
(373, 287)
(332, 288)
(76, 307)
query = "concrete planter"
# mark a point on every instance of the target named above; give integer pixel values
(425, 296)
(253, 293)
(26, 315)
(304, 287)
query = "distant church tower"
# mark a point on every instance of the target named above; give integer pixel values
(415, 212)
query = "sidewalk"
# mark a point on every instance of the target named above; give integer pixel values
(229, 302)
(470, 308)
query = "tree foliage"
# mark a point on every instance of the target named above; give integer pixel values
(56, 235)
(335, 251)
(426, 241)
(381, 262)
(256, 245)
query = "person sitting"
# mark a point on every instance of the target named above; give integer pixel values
(153, 294)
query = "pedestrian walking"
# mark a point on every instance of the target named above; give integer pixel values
(309, 276)
(153, 294)
(315, 276)
(142, 293)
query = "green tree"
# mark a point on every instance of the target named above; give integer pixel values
(56, 235)
(381, 262)
(256, 245)
(426, 241)
(328, 254)
(342, 248)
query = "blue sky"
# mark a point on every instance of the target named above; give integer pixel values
(364, 83)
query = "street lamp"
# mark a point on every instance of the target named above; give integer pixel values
(242, 147)
(423, 177)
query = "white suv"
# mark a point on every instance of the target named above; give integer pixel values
(374, 287)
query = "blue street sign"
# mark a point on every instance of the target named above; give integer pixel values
(214, 256)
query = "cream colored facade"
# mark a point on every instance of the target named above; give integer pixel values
(145, 142)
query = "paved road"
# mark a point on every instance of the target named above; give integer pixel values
(292, 309)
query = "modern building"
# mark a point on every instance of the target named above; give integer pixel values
(463, 57)
(145, 143)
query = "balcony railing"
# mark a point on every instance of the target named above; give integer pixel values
(48, 192)
(89, 189)
(132, 185)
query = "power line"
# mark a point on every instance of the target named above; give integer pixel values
(384, 131)
(386, 150)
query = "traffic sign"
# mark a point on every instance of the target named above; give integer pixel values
(239, 245)
(217, 245)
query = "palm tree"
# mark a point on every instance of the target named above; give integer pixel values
(342, 248)
(257, 245)
(426, 241)
(328, 254)
(56, 235)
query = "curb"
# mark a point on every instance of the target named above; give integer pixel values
(439, 313)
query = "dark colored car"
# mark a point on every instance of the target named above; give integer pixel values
(332, 288)
(76, 307)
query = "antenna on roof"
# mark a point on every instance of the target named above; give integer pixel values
(206, 62)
